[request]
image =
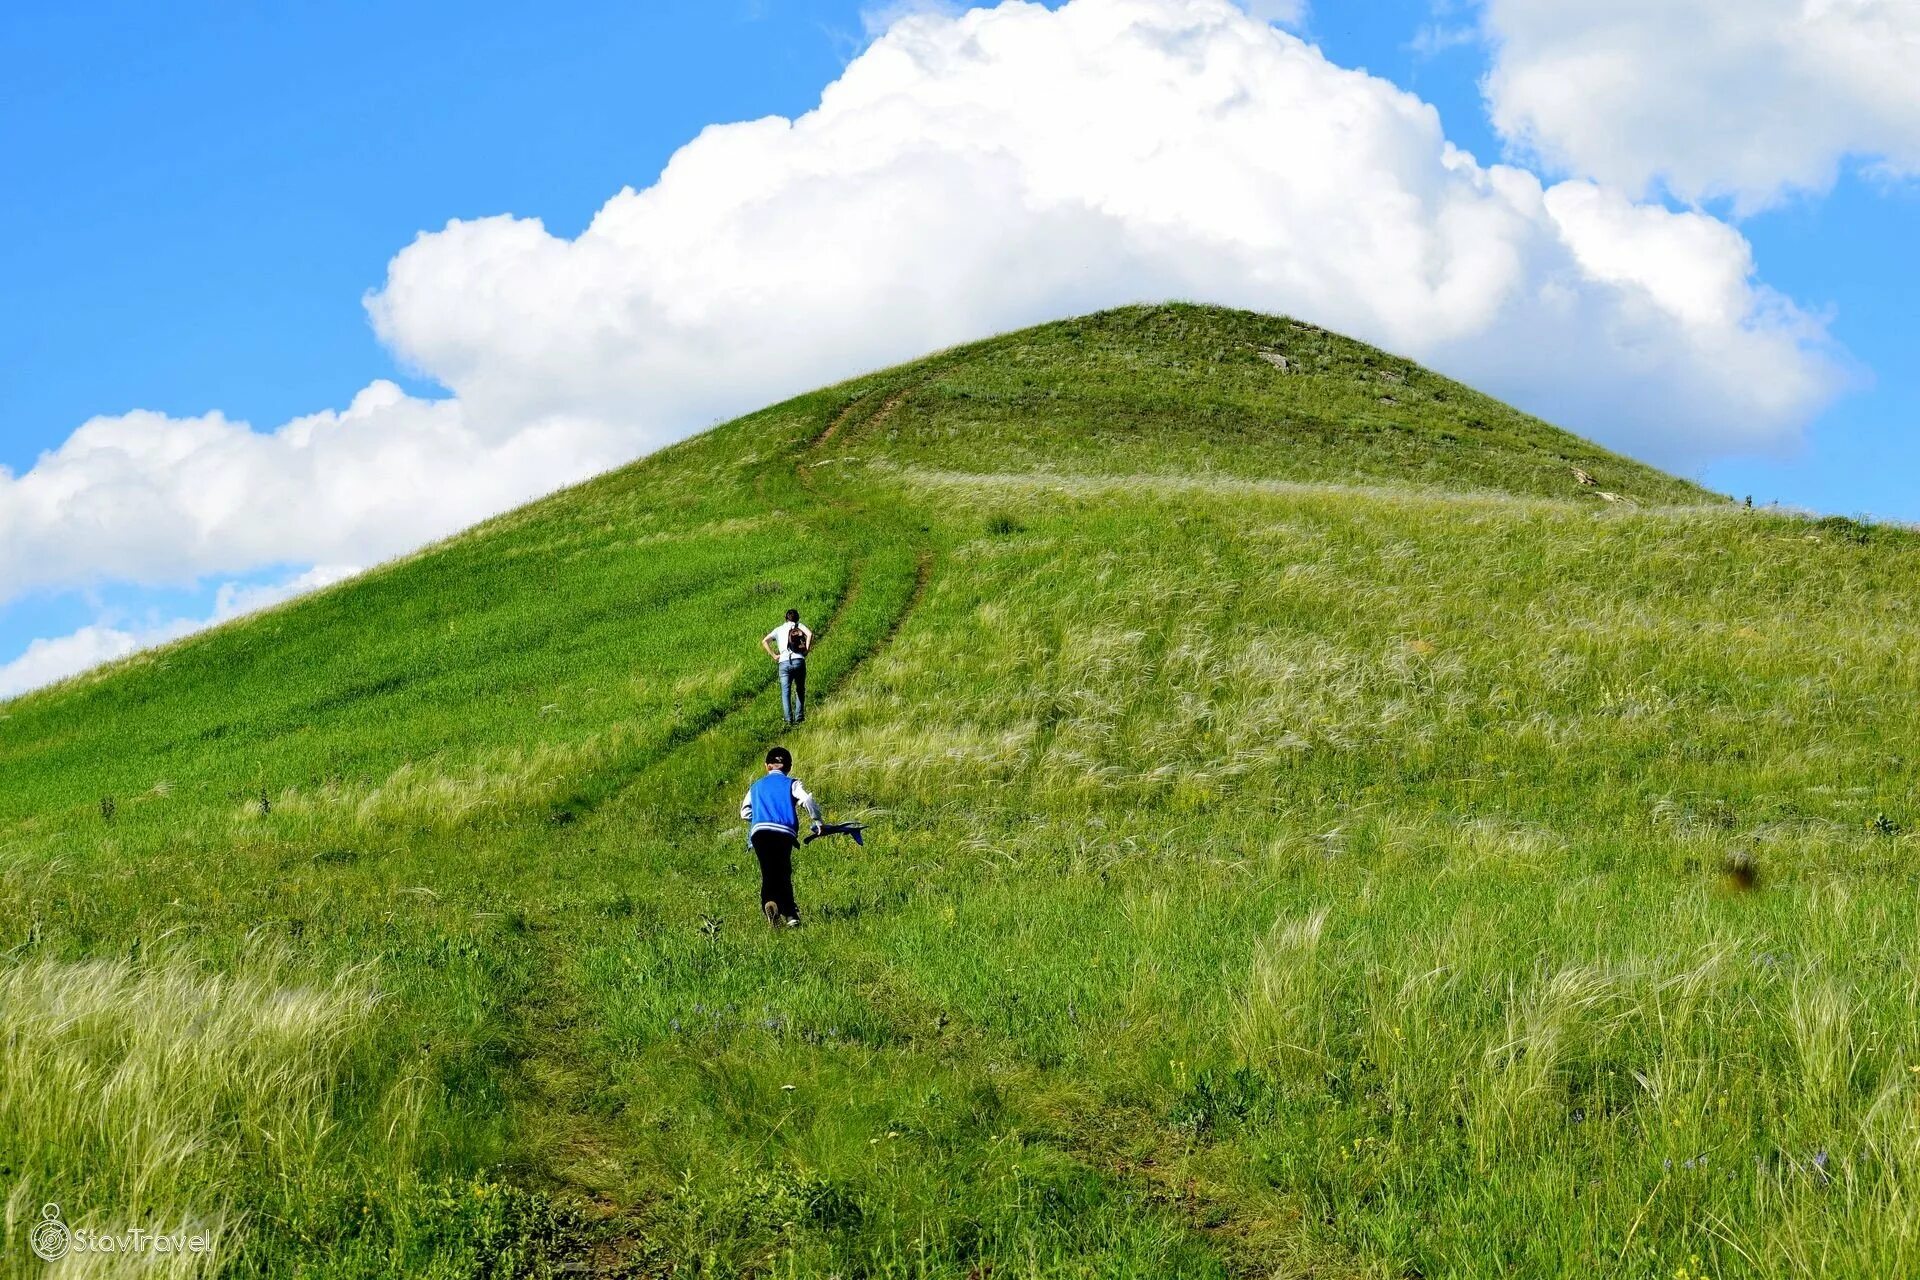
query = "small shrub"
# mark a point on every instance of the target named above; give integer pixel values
(1218, 1099)
(1846, 529)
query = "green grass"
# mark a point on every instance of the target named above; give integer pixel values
(1299, 823)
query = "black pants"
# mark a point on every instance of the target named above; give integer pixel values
(775, 851)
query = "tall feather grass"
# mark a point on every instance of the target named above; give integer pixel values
(164, 1096)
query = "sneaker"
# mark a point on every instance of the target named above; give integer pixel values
(792, 922)
(771, 910)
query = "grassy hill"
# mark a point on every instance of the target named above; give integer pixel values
(1301, 817)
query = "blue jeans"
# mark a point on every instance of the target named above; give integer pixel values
(793, 689)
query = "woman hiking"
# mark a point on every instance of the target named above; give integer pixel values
(789, 644)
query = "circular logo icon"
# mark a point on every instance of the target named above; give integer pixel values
(50, 1238)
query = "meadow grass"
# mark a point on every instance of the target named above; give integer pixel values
(1301, 843)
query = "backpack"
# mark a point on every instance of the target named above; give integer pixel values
(796, 642)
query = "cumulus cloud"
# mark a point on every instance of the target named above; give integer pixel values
(968, 173)
(1741, 98)
(971, 173)
(150, 499)
(56, 658)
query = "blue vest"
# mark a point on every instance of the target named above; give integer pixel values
(773, 803)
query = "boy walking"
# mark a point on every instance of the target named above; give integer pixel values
(773, 807)
(789, 644)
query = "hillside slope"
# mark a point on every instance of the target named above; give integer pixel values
(1298, 811)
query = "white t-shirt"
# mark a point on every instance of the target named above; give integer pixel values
(779, 637)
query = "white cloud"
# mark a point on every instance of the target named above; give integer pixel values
(150, 499)
(966, 174)
(1741, 98)
(48, 660)
(974, 173)
(1436, 38)
(236, 599)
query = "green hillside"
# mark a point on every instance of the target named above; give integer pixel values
(1301, 822)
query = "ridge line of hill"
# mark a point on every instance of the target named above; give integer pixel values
(1091, 481)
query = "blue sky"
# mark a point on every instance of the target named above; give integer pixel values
(200, 199)
(201, 194)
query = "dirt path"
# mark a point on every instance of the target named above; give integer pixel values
(886, 410)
